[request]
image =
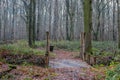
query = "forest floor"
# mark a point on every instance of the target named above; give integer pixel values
(69, 67)
(64, 66)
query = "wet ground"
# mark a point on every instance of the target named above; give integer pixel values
(64, 59)
(68, 67)
(70, 63)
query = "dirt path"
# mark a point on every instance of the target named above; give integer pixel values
(64, 66)
(65, 59)
(68, 67)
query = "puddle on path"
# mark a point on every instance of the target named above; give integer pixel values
(63, 63)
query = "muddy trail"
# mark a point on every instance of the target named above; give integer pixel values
(65, 59)
(69, 67)
(64, 66)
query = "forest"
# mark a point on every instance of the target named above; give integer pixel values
(59, 39)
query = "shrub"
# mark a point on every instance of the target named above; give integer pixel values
(113, 74)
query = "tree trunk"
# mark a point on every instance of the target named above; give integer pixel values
(114, 38)
(13, 21)
(38, 22)
(32, 23)
(88, 26)
(118, 7)
(67, 20)
(56, 19)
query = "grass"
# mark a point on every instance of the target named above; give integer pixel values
(22, 54)
(21, 47)
(106, 48)
(106, 72)
(75, 45)
(99, 48)
(66, 45)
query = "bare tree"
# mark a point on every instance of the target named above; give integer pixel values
(118, 7)
(114, 7)
(32, 23)
(56, 19)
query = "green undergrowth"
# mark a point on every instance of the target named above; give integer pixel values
(113, 73)
(75, 45)
(105, 48)
(65, 45)
(110, 72)
(105, 51)
(19, 53)
(21, 47)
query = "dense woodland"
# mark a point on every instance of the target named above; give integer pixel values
(64, 19)
(88, 27)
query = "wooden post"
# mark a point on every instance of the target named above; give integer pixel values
(95, 60)
(47, 50)
(82, 47)
(88, 58)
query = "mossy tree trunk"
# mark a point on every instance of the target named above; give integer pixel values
(31, 25)
(88, 26)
